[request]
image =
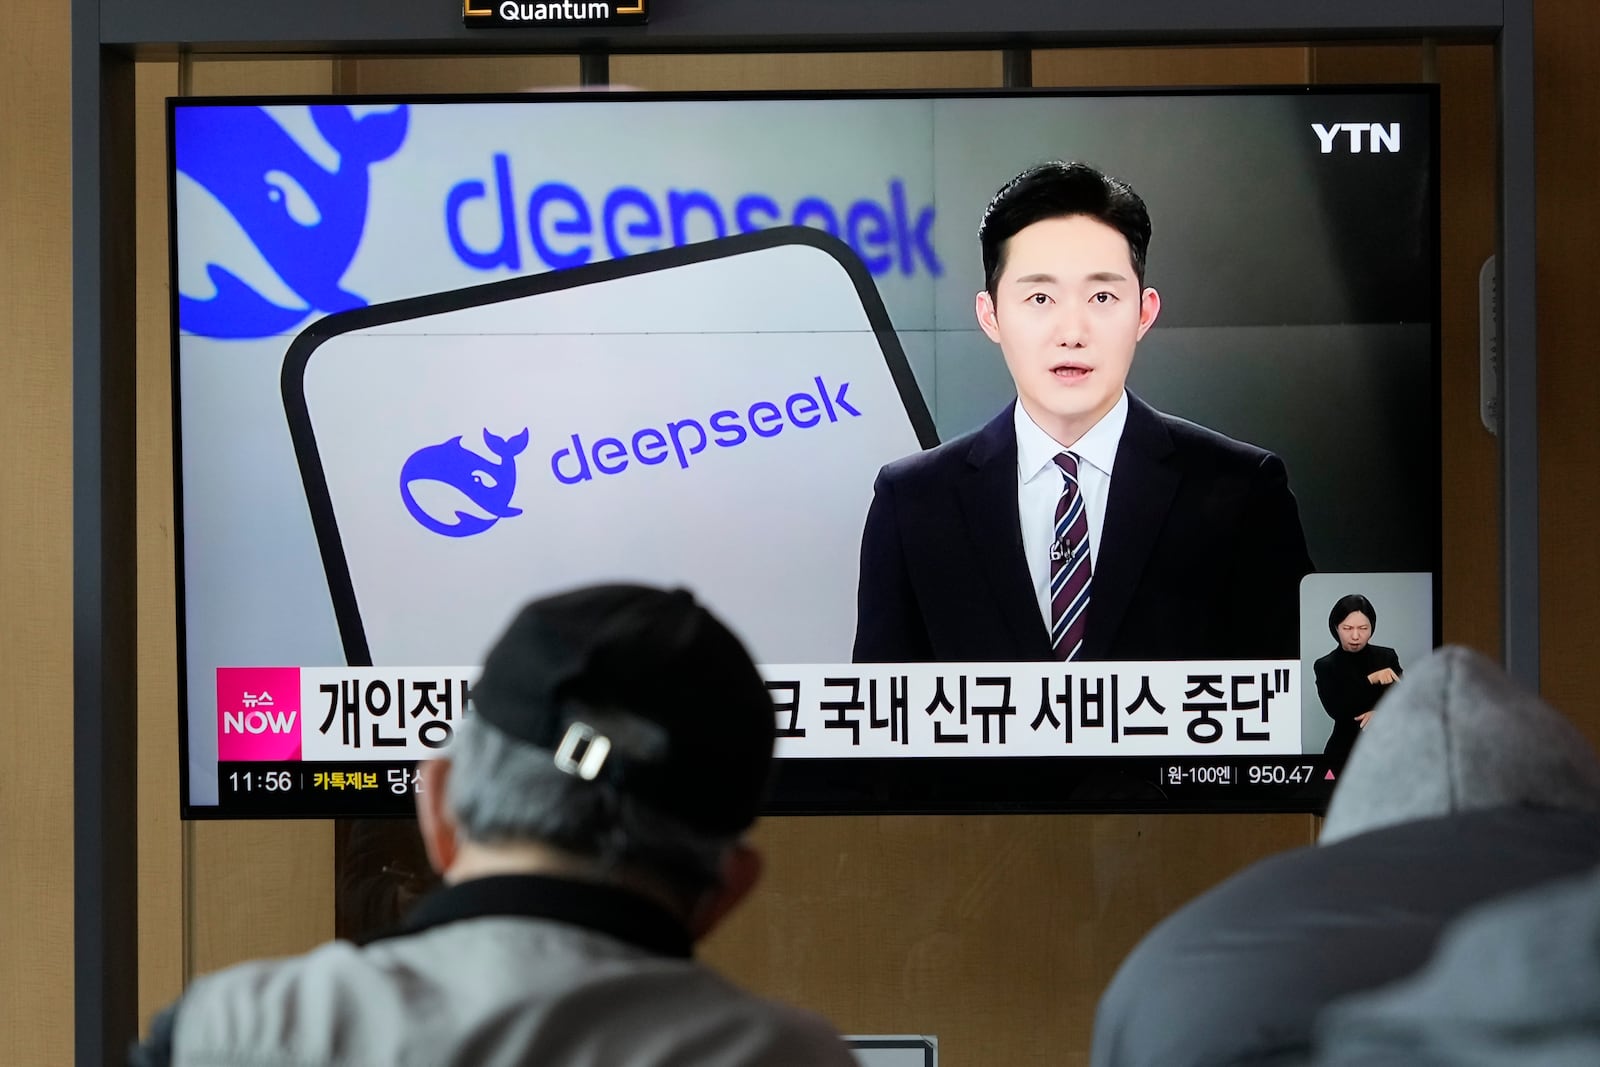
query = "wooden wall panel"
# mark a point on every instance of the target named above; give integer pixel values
(162, 935)
(1470, 454)
(36, 914)
(1404, 61)
(256, 889)
(207, 76)
(455, 74)
(834, 70)
(1568, 131)
(1100, 67)
(995, 933)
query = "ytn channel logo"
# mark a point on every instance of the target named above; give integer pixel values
(293, 221)
(676, 442)
(1376, 135)
(258, 714)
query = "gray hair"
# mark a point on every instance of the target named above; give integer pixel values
(501, 790)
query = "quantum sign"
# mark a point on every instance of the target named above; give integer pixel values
(477, 14)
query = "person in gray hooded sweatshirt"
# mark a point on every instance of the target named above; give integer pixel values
(1464, 788)
(1515, 983)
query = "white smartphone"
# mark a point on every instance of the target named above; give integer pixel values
(709, 416)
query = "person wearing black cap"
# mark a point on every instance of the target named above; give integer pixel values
(587, 820)
(1352, 677)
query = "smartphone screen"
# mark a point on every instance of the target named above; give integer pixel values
(711, 416)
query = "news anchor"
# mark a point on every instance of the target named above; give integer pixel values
(1080, 523)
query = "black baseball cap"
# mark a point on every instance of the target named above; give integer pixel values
(642, 689)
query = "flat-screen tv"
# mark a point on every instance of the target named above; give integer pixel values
(436, 356)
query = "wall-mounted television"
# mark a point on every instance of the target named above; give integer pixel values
(435, 356)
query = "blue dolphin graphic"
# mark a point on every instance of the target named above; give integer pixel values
(488, 485)
(306, 222)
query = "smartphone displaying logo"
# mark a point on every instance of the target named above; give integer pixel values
(712, 416)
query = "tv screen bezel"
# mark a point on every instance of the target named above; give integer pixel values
(1101, 784)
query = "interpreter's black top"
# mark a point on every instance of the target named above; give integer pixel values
(1345, 692)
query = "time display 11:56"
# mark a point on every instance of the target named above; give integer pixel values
(267, 781)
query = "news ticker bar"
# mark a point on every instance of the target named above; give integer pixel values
(352, 789)
(824, 711)
(366, 788)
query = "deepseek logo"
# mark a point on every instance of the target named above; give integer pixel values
(681, 439)
(304, 219)
(565, 228)
(486, 483)
(258, 714)
(584, 458)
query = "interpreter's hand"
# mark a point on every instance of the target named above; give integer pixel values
(1383, 677)
(1361, 719)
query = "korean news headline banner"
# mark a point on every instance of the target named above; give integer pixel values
(823, 711)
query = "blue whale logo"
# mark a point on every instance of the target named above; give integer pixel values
(487, 484)
(305, 220)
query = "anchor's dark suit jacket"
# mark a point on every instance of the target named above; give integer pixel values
(1200, 556)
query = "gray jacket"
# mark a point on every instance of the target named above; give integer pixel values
(1238, 975)
(496, 972)
(1514, 984)
(1464, 788)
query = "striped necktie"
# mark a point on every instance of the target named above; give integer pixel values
(1069, 564)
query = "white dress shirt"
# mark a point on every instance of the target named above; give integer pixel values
(1039, 483)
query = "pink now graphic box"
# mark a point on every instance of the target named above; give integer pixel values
(258, 714)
